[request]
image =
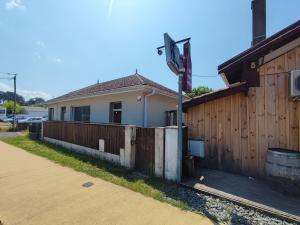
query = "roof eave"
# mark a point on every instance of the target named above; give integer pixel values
(234, 89)
(115, 91)
(102, 93)
(275, 41)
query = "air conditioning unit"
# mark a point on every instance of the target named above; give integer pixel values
(294, 83)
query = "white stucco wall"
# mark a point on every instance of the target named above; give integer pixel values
(132, 109)
(157, 106)
(173, 165)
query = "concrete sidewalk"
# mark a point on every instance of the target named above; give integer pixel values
(9, 134)
(36, 191)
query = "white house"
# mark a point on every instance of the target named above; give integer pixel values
(2, 112)
(132, 100)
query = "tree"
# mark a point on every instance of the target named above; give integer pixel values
(9, 96)
(35, 101)
(199, 91)
(10, 107)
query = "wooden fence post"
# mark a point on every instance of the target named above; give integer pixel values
(159, 151)
(42, 131)
(129, 151)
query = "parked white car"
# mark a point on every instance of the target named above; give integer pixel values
(10, 118)
(32, 120)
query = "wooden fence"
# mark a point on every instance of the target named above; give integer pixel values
(145, 150)
(35, 130)
(146, 142)
(87, 134)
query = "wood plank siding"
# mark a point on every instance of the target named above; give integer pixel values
(145, 150)
(238, 129)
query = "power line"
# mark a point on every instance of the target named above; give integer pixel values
(196, 75)
(6, 78)
(8, 74)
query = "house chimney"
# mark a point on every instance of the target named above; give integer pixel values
(258, 21)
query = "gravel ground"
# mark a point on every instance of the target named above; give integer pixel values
(224, 211)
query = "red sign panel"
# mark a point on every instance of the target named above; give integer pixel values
(187, 64)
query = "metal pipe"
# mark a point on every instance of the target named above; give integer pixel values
(15, 100)
(177, 42)
(179, 125)
(146, 107)
(258, 21)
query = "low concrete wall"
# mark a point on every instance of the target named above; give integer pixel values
(173, 165)
(129, 151)
(159, 151)
(86, 150)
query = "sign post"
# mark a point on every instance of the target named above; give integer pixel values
(180, 65)
(179, 124)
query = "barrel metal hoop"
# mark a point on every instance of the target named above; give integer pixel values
(296, 167)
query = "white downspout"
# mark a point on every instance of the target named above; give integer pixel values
(146, 107)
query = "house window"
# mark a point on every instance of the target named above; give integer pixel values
(51, 114)
(81, 113)
(115, 115)
(62, 113)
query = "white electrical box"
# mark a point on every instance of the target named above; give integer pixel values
(294, 83)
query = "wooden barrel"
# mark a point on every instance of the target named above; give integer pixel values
(283, 169)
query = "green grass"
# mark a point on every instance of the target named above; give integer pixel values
(149, 186)
(4, 127)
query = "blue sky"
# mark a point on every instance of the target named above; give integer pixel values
(59, 46)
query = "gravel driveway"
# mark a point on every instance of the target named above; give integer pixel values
(224, 211)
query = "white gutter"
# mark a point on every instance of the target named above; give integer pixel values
(146, 107)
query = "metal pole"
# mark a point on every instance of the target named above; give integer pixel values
(15, 99)
(176, 42)
(179, 124)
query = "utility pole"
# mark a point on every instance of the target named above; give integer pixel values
(15, 98)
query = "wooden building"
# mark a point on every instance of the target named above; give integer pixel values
(255, 111)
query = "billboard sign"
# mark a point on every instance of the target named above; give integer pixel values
(174, 60)
(187, 64)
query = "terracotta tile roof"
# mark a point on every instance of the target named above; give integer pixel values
(128, 81)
